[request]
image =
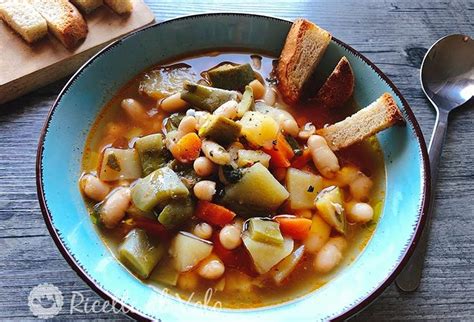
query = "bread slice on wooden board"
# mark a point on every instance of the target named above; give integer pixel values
(338, 87)
(24, 19)
(63, 19)
(304, 47)
(87, 5)
(120, 6)
(376, 117)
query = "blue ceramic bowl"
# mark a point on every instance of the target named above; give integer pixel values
(62, 142)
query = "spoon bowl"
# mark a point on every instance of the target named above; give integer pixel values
(447, 73)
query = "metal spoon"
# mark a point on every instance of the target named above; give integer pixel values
(447, 78)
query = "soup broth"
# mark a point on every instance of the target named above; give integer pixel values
(240, 286)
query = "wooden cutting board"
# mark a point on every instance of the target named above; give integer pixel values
(25, 67)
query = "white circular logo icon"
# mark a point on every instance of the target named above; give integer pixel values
(45, 301)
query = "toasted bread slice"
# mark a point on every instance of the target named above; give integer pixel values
(88, 5)
(24, 19)
(63, 19)
(120, 6)
(304, 47)
(376, 117)
(338, 87)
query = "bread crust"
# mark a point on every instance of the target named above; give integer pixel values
(70, 28)
(338, 87)
(378, 116)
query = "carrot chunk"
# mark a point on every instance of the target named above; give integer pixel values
(281, 153)
(295, 227)
(187, 148)
(214, 214)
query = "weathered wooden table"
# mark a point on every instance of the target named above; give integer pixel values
(394, 35)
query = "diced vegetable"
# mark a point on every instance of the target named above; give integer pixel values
(150, 151)
(295, 227)
(301, 161)
(247, 158)
(138, 254)
(176, 213)
(247, 102)
(186, 173)
(264, 230)
(215, 152)
(259, 129)
(303, 188)
(229, 76)
(171, 123)
(214, 214)
(329, 204)
(220, 129)
(159, 186)
(187, 149)
(258, 192)
(275, 113)
(265, 255)
(205, 97)
(281, 152)
(318, 235)
(165, 273)
(134, 212)
(295, 146)
(227, 174)
(287, 265)
(165, 81)
(120, 164)
(188, 250)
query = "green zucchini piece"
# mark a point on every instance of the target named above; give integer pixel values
(265, 230)
(295, 146)
(171, 123)
(220, 129)
(165, 81)
(233, 77)
(329, 204)
(158, 187)
(176, 213)
(150, 150)
(206, 98)
(247, 102)
(256, 191)
(138, 254)
(165, 273)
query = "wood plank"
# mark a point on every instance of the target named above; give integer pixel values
(26, 67)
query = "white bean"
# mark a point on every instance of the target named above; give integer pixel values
(257, 88)
(228, 109)
(270, 96)
(360, 187)
(215, 152)
(172, 137)
(330, 255)
(318, 235)
(324, 159)
(134, 110)
(203, 230)
(115, 206)
(308, 130)
(211, 269)
(203, 167)
(205, 190)
(93, 187)
(359, 212)
(187, 125)
(229, 236)
(173, 103)
(291, 127)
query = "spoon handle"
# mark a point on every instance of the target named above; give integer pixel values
(409, 278)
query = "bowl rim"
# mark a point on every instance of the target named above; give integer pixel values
(117, 302)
